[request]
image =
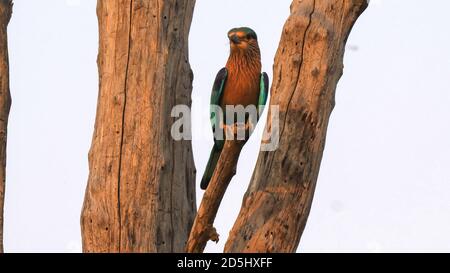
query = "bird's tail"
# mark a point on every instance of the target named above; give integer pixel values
(210, 167)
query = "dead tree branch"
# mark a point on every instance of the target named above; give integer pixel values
(308, 65)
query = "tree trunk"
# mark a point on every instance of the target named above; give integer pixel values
(308, 65)
(141, 188)
(5, 101)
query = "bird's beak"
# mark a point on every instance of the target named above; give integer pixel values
(235, 39)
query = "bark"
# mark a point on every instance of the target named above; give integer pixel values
(141, 188)
(308, 65)
(203, 230)
(5, 101)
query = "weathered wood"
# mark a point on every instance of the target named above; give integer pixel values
(5, 101)
(203, 230)
(308, 65)
(141, 188)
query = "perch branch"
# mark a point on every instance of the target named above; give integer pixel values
(203, 230)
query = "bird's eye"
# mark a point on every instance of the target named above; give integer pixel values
(249, 36)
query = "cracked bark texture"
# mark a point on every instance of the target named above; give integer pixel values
(5, 101)
(140, 195)
(308, 65)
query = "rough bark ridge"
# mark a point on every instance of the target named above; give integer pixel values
(5, 101)
(308, 65)
(141, 189)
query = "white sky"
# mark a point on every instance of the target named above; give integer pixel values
(384, 181)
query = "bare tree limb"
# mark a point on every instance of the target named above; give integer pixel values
(5, 101)
(308, 65)
(203, 230)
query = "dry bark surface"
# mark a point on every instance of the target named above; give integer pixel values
(308, 65)
(5, 101)
(203, 229)
(141, 188)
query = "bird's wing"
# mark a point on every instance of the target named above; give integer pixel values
(216, 95)
(263, 92)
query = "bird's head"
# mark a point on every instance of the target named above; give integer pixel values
(242, 38)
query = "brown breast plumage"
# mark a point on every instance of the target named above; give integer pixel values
(241, 89)
(242, 85)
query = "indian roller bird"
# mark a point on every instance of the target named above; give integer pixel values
(240, 82)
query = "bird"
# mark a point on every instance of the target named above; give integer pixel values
(240, 82)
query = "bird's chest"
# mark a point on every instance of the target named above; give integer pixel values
(241, 90)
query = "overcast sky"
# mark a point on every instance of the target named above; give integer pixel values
(384, 183)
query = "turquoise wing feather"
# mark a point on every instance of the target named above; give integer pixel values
(263, 92)
(216, 95)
